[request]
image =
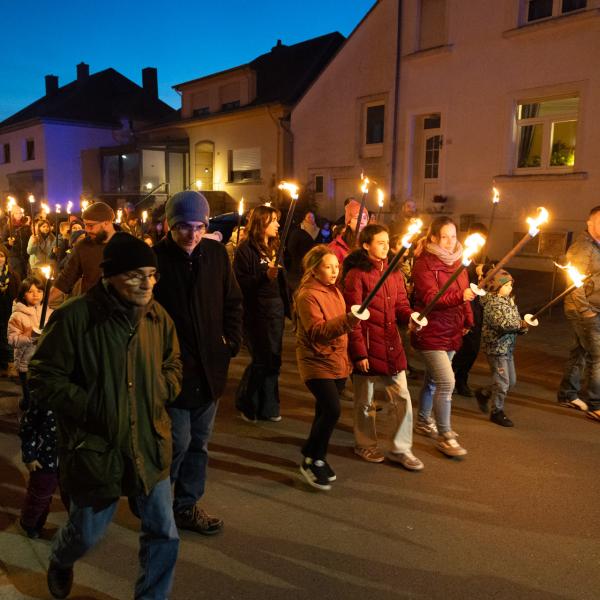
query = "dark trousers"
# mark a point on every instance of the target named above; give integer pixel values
(6, 351)
(465, 358)
(24, 403)
(327, 412)
(41, 487)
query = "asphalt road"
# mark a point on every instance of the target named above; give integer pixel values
(516, 518)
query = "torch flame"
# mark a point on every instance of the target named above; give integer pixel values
(47, 271)
(534, 223)
(69, 207)
(10, 204)
(292, 188)
(473, 245)
(414, 228)
(84, 205)
(380, 196)
(119, 215)
(364, 188)
(496, 196)
(45, 209)
(268, 204)
(57, 208)
(144, 216)
(31, 198)
(576, 277)
(241, 207)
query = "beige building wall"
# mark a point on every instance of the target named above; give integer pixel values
(328, 122)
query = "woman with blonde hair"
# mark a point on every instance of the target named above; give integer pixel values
(322, 327)
(266, 304)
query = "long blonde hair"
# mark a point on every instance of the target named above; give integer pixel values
(311, 261)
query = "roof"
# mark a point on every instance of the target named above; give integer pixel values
(285, 72)
(103, 98)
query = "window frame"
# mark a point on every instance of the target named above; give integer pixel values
(372, 149)
(28, 149)
(557, 11)
(5, 153)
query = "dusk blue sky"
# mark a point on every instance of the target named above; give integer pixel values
(184, 39)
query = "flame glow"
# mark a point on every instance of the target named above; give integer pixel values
(576, 277)
(31, 198)
(496, 196)
(84, 205)
(414, 229)
(473, 245)
(69, 207)
(45, 210)
(241, 207)
(10, 204)
(292, 188)
(534, 223)
(268, 204)
(119, 215)
(198, 184)
(380, 197)
(47, 271)
(57, 208)
(148, 186)
(364, 188)
(144, 216)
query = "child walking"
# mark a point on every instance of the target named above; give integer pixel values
(501, 325)
(37, 429)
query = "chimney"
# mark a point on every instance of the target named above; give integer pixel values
(279, 45)
(51, 84)
(150, 81)
(83, 71)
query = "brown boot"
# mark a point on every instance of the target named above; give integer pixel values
(12, 371)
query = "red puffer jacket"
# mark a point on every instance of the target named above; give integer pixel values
(450, 315)
(376, 339)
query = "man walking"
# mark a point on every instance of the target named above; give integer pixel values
(582, 308)
(107, 365)
(200, 293)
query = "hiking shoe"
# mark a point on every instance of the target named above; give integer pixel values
(331, 476)
(448, 445)
(576, 403)
(196, 519)
(463, 389)
(60, 580)
(483, 400)
(315, 473)
(500, 418)
(372, 455)
(407, 459)
(31, 532)
(426, 427)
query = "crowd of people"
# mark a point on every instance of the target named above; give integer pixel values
(121, 383)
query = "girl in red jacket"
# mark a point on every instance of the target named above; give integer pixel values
(376, 350)
(437, 256)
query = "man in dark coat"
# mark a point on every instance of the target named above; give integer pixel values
(200, 293)
(301, 240)
(107, 364)
(16, 239)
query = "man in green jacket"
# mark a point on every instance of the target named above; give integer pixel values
(108, 364)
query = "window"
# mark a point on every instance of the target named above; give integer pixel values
(244, 165)
(5, 154)
(121, 173)
(229, 95)
(29, 150)
(230, 105)
(375, 121)
(432, 24)
(433, 145)
(318, 184)
(544, 9)
(546, 133)
(201, 112)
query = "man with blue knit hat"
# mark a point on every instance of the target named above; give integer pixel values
(200, 293)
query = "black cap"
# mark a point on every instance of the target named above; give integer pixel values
(126, 253)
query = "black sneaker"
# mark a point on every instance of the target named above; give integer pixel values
(315, 473)
(197, 520)
(500, 418)
(60, 580)
(331, 476)
(31, 532)
(463, 389)
(483, 399)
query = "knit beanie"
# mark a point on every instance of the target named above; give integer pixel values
(75, 235)
(187, 207)
(501, 278)
(99, 211)
(351, 211)
(126, 253)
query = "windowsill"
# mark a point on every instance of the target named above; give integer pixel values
(551, 22)
(521, 177)
(371, 151)
(435, 51)
(253, 182)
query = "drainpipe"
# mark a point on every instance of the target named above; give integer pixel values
(394, 168)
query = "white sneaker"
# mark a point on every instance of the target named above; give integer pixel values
(449, 446)
(407, 459)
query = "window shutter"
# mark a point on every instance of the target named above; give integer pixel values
(246, 159)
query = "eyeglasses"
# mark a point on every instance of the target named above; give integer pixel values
(186, 228)
(135, 278)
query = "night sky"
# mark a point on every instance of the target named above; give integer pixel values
(184, 39)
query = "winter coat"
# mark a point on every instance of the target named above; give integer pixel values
(321, 332)
(108, 377)
(299, 243)
(24, 317)
(201, 295)
(339, 247)
(501, 324)
(41, 250)
(377, 338)
(584, 254)
(10, 282)
(83, 263)
(451, 315)
(37, 431)
(21, 233)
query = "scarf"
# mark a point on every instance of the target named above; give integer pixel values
(4, 277)
(448, 258)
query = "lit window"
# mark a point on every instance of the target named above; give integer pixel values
(546, 133)
(545, 9)
(244, 165)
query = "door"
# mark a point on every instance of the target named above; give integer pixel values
(204, 157)
(428, 160)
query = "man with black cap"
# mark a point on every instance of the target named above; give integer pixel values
(107, 364)
(200, 293)
(84, 261)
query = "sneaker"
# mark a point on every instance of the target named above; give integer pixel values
(426, 427)
(196, 519)
(576, 403)
(60, 580)
(500, 418)
(407, 459)
(315, 473)
(463, 389)
(483, 399)
(248, 419)
(372, 455)
(331, 476)
(448, 445)
(272, 419)
(31, 532)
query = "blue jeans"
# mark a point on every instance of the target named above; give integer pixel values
(191, 429)
(438, 384)
(504, 377)
(581, 378)
(159, 540)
